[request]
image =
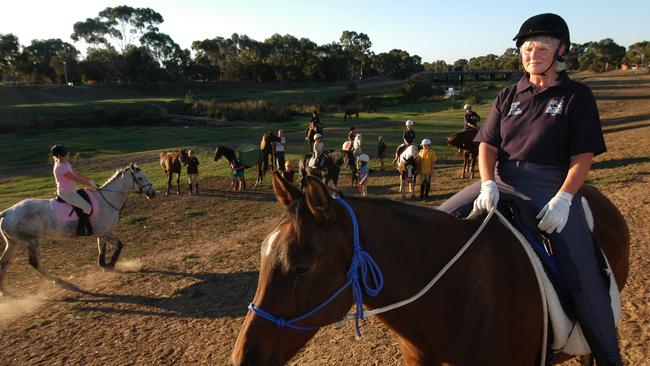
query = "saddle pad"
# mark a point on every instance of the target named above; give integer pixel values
(565, 338)
(249, 154)
(63, 211)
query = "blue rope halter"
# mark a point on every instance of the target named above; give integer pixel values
(362, 264)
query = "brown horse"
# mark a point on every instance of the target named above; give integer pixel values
(170, 162)
(349, 112)
(268, 152)
(486, 309)
(464, 141)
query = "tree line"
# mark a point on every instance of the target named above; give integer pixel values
(126, 46)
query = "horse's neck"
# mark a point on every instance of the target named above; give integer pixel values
(117, 190)
(420, 241)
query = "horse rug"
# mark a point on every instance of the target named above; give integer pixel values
(64, 212)
(249, 155)
(567, 336)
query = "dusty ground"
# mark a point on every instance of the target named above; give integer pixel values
(190, 268)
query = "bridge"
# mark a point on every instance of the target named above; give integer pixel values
(475, 75)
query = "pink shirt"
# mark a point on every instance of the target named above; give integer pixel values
(63, 184)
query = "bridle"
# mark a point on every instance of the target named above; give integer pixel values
(141, 190)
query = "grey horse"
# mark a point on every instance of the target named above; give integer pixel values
(30, 220)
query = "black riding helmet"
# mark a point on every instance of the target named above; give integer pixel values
(59, 150)
(546, 24)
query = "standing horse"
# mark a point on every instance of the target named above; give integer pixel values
(485, 310)
(407, 166)
(31, 220)
(464, 141)
(229, 154)
(330, 170)
(170, 163)
(268, 152)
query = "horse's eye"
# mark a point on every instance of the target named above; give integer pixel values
(300, 270)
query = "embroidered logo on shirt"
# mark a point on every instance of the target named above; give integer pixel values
(555, 106)
(514, 109)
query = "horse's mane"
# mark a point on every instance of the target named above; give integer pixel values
(119, 172)
(412, 213)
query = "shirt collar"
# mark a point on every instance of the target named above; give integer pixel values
(524, 83)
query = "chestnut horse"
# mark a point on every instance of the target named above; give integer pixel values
(485, 310)
(464, 141)
(170, 163)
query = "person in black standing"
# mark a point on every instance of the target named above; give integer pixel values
(193, 171)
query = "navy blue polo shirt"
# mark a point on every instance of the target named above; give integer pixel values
(547, 127)
(409, 136)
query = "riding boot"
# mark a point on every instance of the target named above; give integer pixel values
(83, 225)
(422, 189)
(190, 189)
(196, 188)
(426, 191)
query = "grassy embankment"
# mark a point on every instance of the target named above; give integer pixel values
(25, 170)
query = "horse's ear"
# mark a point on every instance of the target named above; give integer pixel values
(285, 192)
(318, 200)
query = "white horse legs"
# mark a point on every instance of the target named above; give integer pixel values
(5, 259)
(101, 246)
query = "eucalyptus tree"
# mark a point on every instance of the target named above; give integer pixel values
(358, 44)
(9, 53)
(602, 55)
(43, 60)
(122, 24)
(638, 54)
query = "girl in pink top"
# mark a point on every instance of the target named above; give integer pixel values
(67, 178)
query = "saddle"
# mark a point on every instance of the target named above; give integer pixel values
(84, 227)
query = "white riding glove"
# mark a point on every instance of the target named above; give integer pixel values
(555, 213)
(92, 183)
(487, 199)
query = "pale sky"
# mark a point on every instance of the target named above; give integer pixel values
(434, 30)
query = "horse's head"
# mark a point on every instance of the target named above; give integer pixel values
(218, 153)
(141, 182)
(183, 156)
(304, 260)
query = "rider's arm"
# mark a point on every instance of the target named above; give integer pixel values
(81, 179)
(487, 161)
(578, 170)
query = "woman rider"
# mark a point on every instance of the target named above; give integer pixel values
(66, 187)
(541, 136)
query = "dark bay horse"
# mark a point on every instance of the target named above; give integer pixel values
(330, 171)
(485, 310)
(170, 163)
(266, 146)
(464, 141)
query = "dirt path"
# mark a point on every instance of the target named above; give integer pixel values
(190, 267)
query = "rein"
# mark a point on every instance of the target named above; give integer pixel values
(362, 263)
(135, 181)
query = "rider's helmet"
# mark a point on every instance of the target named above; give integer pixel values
(426, 142)
(364, 157)
(467, 106)
(317, 136)
(546, 24)
(59, 150)
(408, 122)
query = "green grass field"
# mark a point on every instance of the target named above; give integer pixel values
(25, 170)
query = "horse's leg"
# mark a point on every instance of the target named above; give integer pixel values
(169, 182)
(101, 245)
(34, 251)
(586, 360)
(5, 259)
(474, 157)
(101, 248)
(178, 183)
